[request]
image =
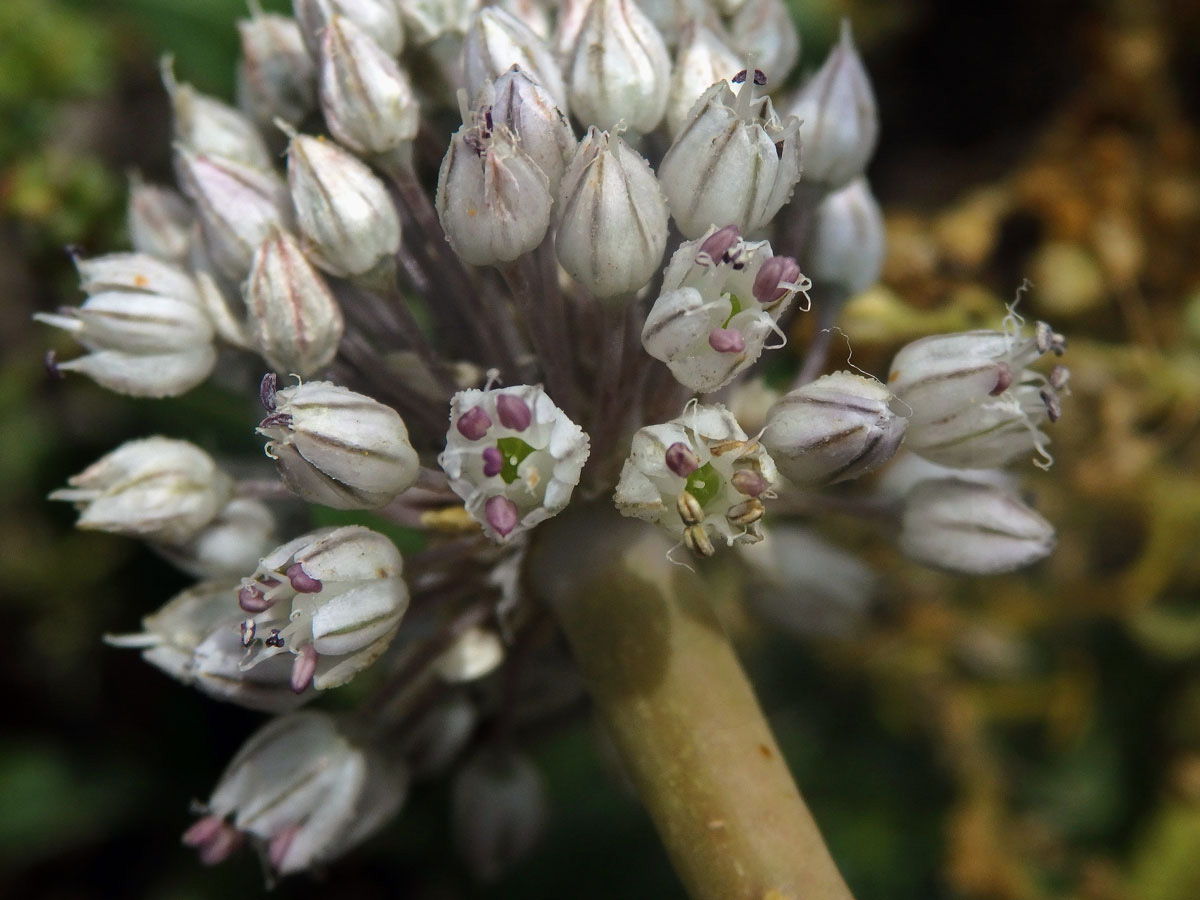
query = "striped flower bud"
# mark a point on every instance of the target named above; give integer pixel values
(208, 127)
(196, 639)
(699, 477)
(237, 207)
(970, 527)
(701, 61)
(425, 21)
(294, 319)
(840, 124)
(513, 456)
(528, 111)
(303, 789)
(733, 162)
(617, 68)
(368, 102)
(847, 243)
(333, 599)
(720, 300)
(159, 221)
(833, 429)
(156, 488)
(338, 448)
(378, 18)
(343, 210)
(493, 199)
(229, 545)
(971, 399)
(611, 218)
(498, 40)
(275, 71)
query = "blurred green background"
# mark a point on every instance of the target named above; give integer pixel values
(1023, 737)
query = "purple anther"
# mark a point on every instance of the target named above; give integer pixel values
(202, 831)
(252, 599)
(1004, 380)
(682, 460)
(281, 843)
(273, 419)
(51, 363)
(487, 120)
(473, 424)
(267, 390)
(739, 77)
(1053, 404)
(302, 582)
(718, 244)
(749, 483)
(776, 272)
(248, 630)
(275, 640)
(214, 838)
(514, 412)
(501, 514)
(760, 77)
(493, 461)
(1059, 376)
(304, 667)
(726, 340)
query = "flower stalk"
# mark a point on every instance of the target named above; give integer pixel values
(670, 690)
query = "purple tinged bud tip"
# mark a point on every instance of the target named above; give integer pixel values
(474, 423)
(682, 460)
(267, 391)
(726, 340)
(501, 515)
(252, 599)
(277, 849)
(1004, 378)
(493, 461)
(719, 243)
(771, 278)
(302, 582)
(749, 483)
(304, 667)
(514, 412)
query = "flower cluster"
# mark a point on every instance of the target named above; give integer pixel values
(465, 359)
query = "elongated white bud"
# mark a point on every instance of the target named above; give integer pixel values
(499, 811)
(378, 18)
(229, 545)
(208, 127)
(611, 218)
(848, 240)
(498, 40)
(159, 221)
(764, 30)
(702, 61)
(542, 130)
(275, 71)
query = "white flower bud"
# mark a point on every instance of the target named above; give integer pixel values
(493, 199)
(617, 68)
(702, 61)
(229, 545)
(764, 30)
(159, 221)
(437, 738)
(534, 13)
(338, 448)
(721, 298)
(495, 42)
(332, 598)
(275, 71)
(840, 124)
(699, 477)
(428, 20)
(367, 99)
(146, 331)
(977, 529)
(197, 639)
(673, 18)
(378, 18)
(205, 126)
(155, 488)
(971, 399)
(513, 456)
(302, 789)
(848, 241)
(528, 111)
(341, 207)
(833, 429)
(806, 586)
(476, 653)
(611, 219)
(237, 207)
(498, 811)
(733, 163)
(294, 319)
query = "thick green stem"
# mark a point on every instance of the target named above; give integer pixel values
(684, 718)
